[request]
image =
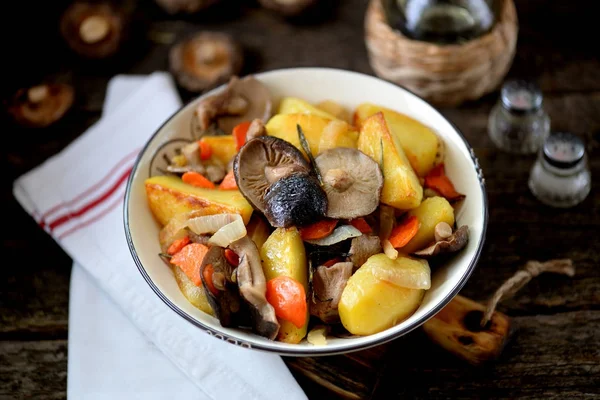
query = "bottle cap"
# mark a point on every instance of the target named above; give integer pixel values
(563, 150)
(521, 96)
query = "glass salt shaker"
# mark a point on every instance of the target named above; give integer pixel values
(518, 123)
(560, 177)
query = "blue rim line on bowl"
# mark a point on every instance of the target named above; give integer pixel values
(316, 350)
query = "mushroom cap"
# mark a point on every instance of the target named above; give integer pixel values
(261, 162)
(297, 199)
(451, 244)
(352, 181)
(242, 100)
(40, 106)
(92, 30)
(187, 6)
(288, 8)
(205, 60)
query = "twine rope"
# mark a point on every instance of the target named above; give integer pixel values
(522, 277)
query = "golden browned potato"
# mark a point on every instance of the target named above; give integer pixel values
(223, 147)
(370, 304)
(194, 294)
(401, 187)
(294, 105)
(432, 211)
(283, 254)
(335, 109)
(169, 196)
(418, 141)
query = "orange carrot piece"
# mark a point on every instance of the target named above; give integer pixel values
(402, 233)
(318, 230)
(239, 134)
(228, 183)
(196, 179)
(361, 225)
(205, 150)
(288, 298)
(209, 270)
(332, 262)
(438, 181)
(232, 258)
(189, 259)
(177, 245)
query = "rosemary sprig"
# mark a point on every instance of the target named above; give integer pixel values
(381, 158)
(165, 255)
(306, 148)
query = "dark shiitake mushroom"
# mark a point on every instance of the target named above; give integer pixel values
(92, 30)
(186, 6)
(297, 199)
(40, 106)
(226, 302)
(242, 100)
(446, 241)
(205, 60)
(263, 161)
(288, 8)
(352, 181)
(276, 180)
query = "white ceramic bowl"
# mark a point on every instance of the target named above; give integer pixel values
(350, 89)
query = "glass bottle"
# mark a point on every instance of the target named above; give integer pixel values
(441, 21)
(518, 123)
(560, 177)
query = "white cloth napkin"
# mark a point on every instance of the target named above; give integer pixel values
(129, 344)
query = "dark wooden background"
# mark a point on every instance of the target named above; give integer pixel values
(556, 351)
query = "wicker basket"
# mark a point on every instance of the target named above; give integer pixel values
(445, 75)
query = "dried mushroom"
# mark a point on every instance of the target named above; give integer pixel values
(242, 100)
(186, 6)
(352, 181)
(288, 8)
(328, 284)
(449, 244)
(92, 30)
(363, 247)
(205, 60)
(253, 287)
(42, 105)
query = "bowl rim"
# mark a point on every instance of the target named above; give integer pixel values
(317, 350)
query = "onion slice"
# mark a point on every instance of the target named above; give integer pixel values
(339, 234)
(411, 273)
(229, 233)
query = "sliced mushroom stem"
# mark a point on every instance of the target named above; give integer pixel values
(442, 231)
(37, 94)
(338, 179)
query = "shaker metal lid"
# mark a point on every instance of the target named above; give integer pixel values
(521, 96)
(563, 150)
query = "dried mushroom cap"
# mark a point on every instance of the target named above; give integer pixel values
(352, 181)
(451, 244)
(242, 100)
(261, 162)
(40, 106)
(205, 60)
(297, 199)
(287, 8)
(186, 6)
(92, 30)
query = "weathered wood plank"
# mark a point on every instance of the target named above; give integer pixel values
(35, 370)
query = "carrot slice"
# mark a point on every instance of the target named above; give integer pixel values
(361, 225)
(438, 181)
(239, 134)
(318, 230)
(209, 270)
(196, 179)
(402, 234)
(288, 298)
(177, 245)
(205, 150)
(189, 259)
(228, 183)
(232, 258)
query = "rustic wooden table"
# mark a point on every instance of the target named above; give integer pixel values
(556, 351)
